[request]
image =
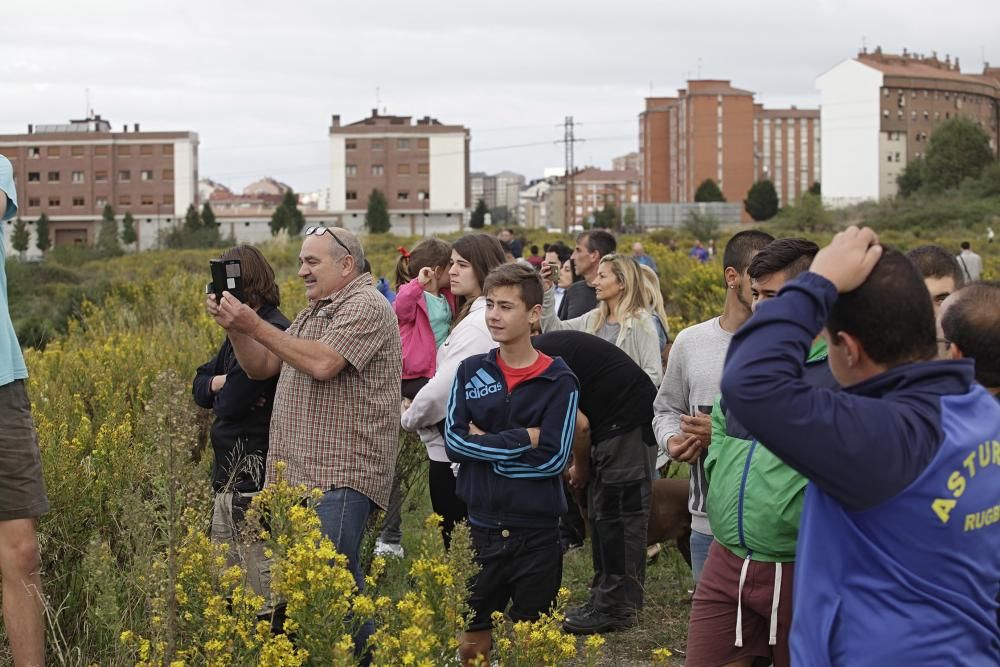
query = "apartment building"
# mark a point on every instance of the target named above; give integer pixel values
(712, 130)
(71, 171)
(627, 162)
(880, 111)
(422, 168)
(593, 189)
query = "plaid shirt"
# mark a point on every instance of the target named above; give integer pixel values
(343, 432)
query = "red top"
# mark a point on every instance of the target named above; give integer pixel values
(515, 376)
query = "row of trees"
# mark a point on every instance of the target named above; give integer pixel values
(761, 202)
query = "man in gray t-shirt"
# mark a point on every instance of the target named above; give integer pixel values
(691, 383)
(970, 263)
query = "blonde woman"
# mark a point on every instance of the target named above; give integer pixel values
(622, 315)
(654, 301)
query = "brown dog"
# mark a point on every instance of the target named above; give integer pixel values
(669, 517)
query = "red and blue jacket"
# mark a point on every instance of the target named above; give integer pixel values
(503, 479)
(898, 560)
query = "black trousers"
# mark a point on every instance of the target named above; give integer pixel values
(618, 503)
(443, 499)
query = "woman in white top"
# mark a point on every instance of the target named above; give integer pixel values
(472, 258)
(621, 317)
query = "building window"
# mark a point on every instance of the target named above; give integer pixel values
(146, 175)
(100, 151)
(913, 115)
(34, 151)
(54, 202)
(78, 202)
(402, 196)
(377, 170)
(897, 158)
(124, 176)
(423, 169)
(146, 149)
(101, 202)
(423, 144)
(53, 177)
(351, 195)
(78, 177)
(124, 151)
(100, 176)
(937, 115)
(76, 151)
(34, 202)
(350, 144)
(351, 170)
(885, 113)
(885, 92)
(926, 115)
(403, 144)
(402, 169)
(147, 200)
(168, 174)
(376, 144)
(899, 115)
(168, 149)
(53, 151)
(34, 176)
(124, 200)
(168, 200)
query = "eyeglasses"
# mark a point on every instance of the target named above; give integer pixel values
(319, 231)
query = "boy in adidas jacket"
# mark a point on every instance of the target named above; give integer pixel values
(510, 422)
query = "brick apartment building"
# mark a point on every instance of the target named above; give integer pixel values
(714, 130)
(421, 167)
(71, 171)
(880, 110)
(593, 189)
(627, 162)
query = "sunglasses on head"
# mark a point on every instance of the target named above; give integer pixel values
(319, 231)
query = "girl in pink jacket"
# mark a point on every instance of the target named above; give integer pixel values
(424, 307)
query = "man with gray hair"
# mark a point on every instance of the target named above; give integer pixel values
(335, 423)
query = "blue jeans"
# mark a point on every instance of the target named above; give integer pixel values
(343, 515)
(700, 542)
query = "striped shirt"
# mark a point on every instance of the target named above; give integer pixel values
(342, 432)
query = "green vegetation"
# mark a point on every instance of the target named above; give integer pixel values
(287, 216)
(708, 191)
(478, 218)
(762, 200)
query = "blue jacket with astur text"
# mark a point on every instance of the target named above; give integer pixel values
(504, 480)
(898, 560)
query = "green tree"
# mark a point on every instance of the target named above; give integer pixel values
(377, 216)
(107, 237)
(702, 226)
(192, 221)
(628, 220)
(708, 191)
(43, 241)
(129, 235)
(912, 178)
(288, 216)
(607, 217)
(21, 237)
(959, 149)
(208, 216)
(808, 215)
(762, 201)
(478, 218)
(815, 189)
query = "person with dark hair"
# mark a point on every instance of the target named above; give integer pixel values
(342, 345)
(22, 487)
(899, 540)
(534, 258)
(971, 263)
(423, 307)
(691, 382)
(511, 424)
(754, 503)
(614, 467)
(941, 271)
(969, 321)
(581, 297)
(472, 258)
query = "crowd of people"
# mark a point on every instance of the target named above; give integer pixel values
(840, 415)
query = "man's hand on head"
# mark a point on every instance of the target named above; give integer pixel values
(234, 316)
(849, 259)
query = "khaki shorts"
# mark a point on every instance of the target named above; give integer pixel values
(22, 489)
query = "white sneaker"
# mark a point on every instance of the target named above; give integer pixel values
(388, 549)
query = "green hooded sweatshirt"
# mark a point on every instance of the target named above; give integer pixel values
(755, 500)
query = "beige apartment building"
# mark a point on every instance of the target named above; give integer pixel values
(712, 130)
(71, 171)
(422, 168)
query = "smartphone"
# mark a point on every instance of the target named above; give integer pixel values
(227, 275)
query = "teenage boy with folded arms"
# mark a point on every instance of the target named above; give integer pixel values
(510, 423)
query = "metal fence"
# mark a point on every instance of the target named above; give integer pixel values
(651, 216)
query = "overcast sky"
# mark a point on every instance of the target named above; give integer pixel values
(258, 81)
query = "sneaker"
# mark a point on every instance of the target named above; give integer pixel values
(583, 610)
(388, 549)
(596, 622)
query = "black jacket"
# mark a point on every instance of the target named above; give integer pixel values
(242, 415)
(579, 298)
